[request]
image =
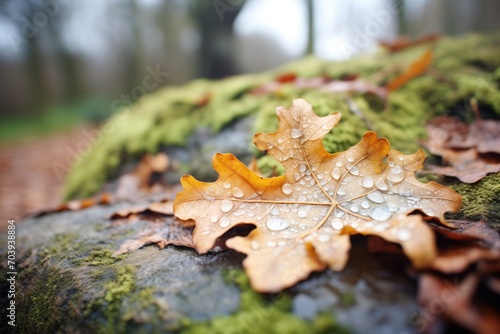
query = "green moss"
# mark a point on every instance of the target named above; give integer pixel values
(481, 199)
(463, 68)
(348, 299)
(121, 285)
(63, 246)
(98, 257)
(262, 314)
(40, 308)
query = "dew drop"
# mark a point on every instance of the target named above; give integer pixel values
(287, 189)
(395, 177)
(296, 133)
(214, 219)
(391, 163)
(271, 244)
(341, 191)
(367, 182)
(226, 205)
(381, 184)
(224, 222)
(365, 204)
(403, 234)
(325, 127)
(401, 158)
(211, 191)
(349, 158)
(277, 224)
(237, 192)
(354, 207)
(227, 185)
(254, 245)
(303, 212)
(380, 213)
(376, 197)
(339, 163)
(281, 243)
(396, 170)
(337, 224)
(320, 176)
(336, 173)
(206, 231)
(354, 170)
(393, 207)
(324, 238)
(275, 212)
(379, 227)
(302, 168)
(339, 213)
(296, 176)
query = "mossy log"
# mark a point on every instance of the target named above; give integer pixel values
(462, 68)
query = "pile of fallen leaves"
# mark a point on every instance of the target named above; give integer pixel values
(469, 151)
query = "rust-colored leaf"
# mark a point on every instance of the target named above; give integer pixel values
(304, 218)
(416, 69)
(404, 42)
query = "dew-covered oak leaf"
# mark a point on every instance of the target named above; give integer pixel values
(304, 218)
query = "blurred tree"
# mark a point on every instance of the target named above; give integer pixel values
(37, 41)
(310, 27)
(215, 21)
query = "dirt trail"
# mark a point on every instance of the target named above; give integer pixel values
(28, 181)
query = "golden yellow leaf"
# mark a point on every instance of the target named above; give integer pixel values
(304, 218)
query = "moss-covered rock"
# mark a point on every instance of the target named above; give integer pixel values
(68, 282)
(463, 68)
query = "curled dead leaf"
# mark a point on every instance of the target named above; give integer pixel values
(470, 150)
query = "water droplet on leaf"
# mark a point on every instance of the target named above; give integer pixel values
(277, 224)
(226, 205)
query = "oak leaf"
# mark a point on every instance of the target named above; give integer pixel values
(304, 218)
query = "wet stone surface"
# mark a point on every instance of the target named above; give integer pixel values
(155, 289)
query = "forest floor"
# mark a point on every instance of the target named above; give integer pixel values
(29, 181)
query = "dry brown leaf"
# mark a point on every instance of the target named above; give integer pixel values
(304, 218)
(455, 302)
(168, 231)
(416, 69)
(468, 230)
(457, 259)
(358, 86)
(142, 178)
(470, 150)
(477, 243)
(348, 84)
(79, 204)
(164, 207)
